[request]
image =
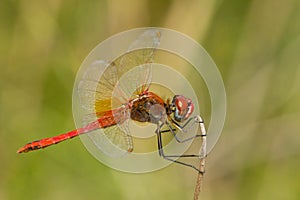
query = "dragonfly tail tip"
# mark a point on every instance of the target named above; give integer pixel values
(22, 150)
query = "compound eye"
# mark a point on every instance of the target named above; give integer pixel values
(183, 108)
(181, 103)
(189, 110)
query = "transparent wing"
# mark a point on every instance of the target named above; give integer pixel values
(114, 141)
(109, 86)
(103, 141)
(95, 88)
(135, 65)
(95, 94)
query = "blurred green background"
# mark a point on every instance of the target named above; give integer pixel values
(255, 44)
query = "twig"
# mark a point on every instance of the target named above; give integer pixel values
(199, 179)
(203, 154)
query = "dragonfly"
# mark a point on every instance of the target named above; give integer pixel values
(112, 103)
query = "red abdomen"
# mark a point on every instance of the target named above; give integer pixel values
(106, 119)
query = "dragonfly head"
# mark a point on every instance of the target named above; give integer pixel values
(182, 108)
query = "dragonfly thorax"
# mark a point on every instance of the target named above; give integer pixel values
(148, 107)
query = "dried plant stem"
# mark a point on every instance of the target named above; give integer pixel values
(199, 179)
(203, 154)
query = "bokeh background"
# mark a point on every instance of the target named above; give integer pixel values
(255, 44)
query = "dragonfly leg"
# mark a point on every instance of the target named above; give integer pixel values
(172, 157)
(189, 124)
(194, 121)
(202, 134)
